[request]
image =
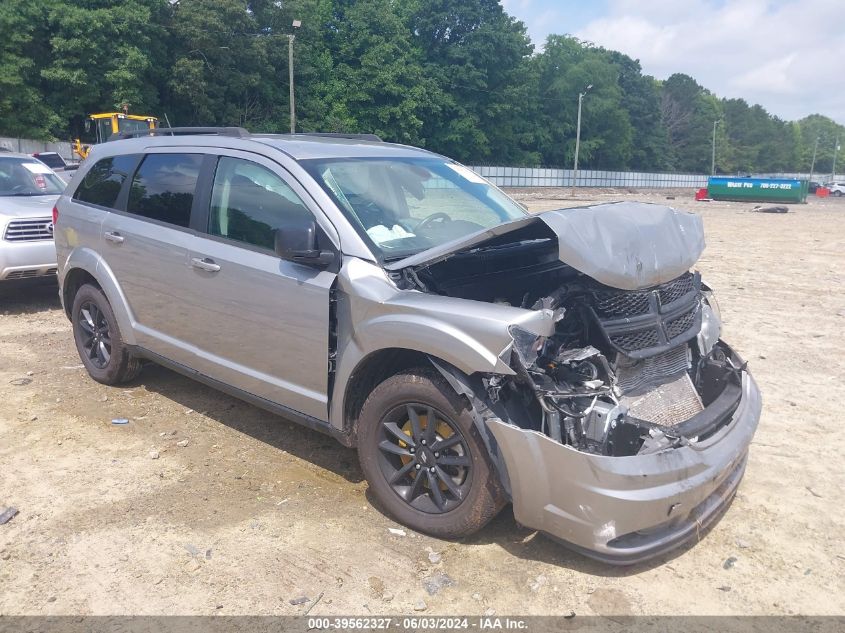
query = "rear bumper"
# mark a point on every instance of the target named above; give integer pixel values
(23, 260)
(625, 510)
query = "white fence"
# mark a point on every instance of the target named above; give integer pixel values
(28, 146)
(538, 177)
(504, 176)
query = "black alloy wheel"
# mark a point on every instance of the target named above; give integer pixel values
(98, 338)
(424, 458)
(96, 334)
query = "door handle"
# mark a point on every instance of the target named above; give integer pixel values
(205, 263)
(114, 236)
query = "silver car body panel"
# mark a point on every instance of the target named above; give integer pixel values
(23, 259)
(626, 245)
(590, 501)
(374, 315)
(263, 327)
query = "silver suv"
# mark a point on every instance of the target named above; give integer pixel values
(28, 192)
(567, 362)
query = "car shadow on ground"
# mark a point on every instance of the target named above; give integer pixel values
(276, 431)
(325, 452)
(29, 297)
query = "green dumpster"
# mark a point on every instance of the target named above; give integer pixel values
(757, 189)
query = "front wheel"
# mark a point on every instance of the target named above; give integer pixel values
(98, 339)
(424, 458)
(837, 193)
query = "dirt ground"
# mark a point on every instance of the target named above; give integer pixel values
(254, 512)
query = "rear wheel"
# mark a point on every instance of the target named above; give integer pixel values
(837, 193)
(98, 339)
(423, 456)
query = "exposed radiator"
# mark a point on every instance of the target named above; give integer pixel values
(632, 374)
(658, 389)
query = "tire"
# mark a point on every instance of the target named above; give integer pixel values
(98, 339)
(837, 193)
(461, 464)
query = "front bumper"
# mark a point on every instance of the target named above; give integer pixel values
(24, 260)
(624, 510)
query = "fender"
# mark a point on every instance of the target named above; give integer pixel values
(90, 261)
(431, 337)
(374, 315)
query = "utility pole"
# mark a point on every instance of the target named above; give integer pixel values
(713, 153)
(835, 152)
(578, 138)
(291, 37)
(813, 164)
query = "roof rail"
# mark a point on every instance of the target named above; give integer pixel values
(359, 137)
(173, 131)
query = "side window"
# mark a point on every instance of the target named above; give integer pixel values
(102, 184)
(249, 202)
(163, 187)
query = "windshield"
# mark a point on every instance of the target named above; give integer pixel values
(27, 177)
(131, 125)
(405, 206)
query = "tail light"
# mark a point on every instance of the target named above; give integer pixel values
(55, 215)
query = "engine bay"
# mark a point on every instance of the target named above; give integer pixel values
(626, 372)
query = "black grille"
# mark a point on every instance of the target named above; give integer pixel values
(641, 323)
(615, 304)
(676, 289)
(618, 303)
(635, 341)
(680, 325)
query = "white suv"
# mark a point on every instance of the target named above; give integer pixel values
(836, 188)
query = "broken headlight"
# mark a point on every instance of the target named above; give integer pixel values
(711, 322)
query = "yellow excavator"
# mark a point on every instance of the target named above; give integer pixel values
(100, 127)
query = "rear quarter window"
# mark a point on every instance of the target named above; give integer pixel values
(104, 180)
(163, 188)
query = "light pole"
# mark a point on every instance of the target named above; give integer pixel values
(291, 37)
(813, 164)
(713, 156)
(835, 152)
(578, 138)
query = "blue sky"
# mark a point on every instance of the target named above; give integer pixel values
(543, 17)
(786, 55)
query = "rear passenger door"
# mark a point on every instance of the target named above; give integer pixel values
(258, 322)
(146, 241)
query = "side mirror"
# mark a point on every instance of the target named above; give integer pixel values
(297, 242)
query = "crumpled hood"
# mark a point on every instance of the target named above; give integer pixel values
(626, 245)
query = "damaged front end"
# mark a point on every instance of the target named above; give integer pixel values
(623, 434)
(624, 431)
(626, 372)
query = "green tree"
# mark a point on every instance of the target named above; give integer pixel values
(104, 54)
(377, 82)
(688, 112)
(565, 68)
(478, 56)
(827, 132)
(222, 73)
(23, 111)
(641, 100)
